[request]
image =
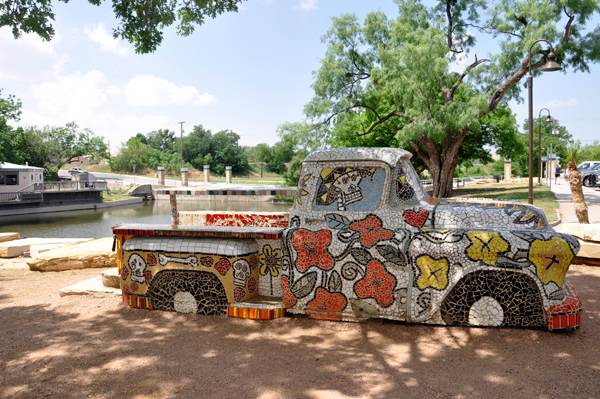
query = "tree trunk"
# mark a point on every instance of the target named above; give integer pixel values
(441, 166)
(581, 210)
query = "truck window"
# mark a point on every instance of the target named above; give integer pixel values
(406, 188)
(349, 188)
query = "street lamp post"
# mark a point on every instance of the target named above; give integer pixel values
(548, 119)
(549, 172)
(550, 66)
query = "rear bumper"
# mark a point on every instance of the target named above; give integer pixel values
(567, 315)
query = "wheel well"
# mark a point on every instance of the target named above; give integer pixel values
(516, 292)
(205, 286)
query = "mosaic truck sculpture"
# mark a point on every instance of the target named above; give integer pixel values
(364, 240)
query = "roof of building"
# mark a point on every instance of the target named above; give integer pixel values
(390, 156)
(20, 168)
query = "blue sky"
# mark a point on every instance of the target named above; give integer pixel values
(248, 72)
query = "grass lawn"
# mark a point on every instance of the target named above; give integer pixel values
(543, 198)
(115, 195)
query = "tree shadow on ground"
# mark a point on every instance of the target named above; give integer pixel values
(86, 347)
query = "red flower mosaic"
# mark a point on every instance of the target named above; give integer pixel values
(253, 262)
(416, 219)
(126, 289)
(289, 299)
(223, 266)
(134, 287)
(151, 260)
(312, 249)
(148, 275)
(251, 285)
(124, 272)
(327, 305)
(377, 284)
(238, 294)
(207, 261)
(371, 231)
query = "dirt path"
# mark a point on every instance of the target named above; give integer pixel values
(76, 347)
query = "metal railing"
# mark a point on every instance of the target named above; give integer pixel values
(21, 197)
(64, 186)
(35, 192)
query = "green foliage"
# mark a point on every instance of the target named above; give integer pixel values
(590, 152)
(560, 142)
(201, 148)
(10, 108)
(388, 82)
(141, 22)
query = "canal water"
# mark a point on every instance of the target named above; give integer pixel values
(98, 223)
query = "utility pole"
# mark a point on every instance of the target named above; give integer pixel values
(109, 148)
(181, 142)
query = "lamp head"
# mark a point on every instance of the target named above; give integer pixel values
(548, 119)
(551, 64)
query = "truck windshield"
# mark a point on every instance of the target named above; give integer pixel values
(349, 188)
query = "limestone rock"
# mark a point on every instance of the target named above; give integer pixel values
(93, 287)
(111, 278)
(87, 255)
(589, 232)
(15, 248)
(589, 250)
(9, 237)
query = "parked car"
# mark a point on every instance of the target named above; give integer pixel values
(583, 166)
(365, 240)
(77, 170)
(590, 176)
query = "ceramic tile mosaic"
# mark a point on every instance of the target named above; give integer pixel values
(258, 308)
(268, 192)
(207, 246)
(414, 258)
(238, 219)
(365, 240)
(188, 275)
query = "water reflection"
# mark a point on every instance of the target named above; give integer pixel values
(97, 224)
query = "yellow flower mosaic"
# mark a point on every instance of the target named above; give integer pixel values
(552, 259)
(270, 261)
(434, 273)
(485, 246)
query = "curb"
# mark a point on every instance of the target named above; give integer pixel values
(556, 223)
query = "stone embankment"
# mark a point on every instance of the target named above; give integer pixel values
(86, 255)
(589, 238)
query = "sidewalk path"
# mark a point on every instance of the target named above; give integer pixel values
(565, 200)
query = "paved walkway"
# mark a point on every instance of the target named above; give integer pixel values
(565, 200)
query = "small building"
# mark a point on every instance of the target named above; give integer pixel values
(15, 177)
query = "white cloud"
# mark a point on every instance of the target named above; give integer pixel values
(149, 90)
(107, 43)
(76, 94)
(29, 57)
(308, 5)
(573, 102)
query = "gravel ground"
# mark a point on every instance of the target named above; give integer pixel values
(83, 347)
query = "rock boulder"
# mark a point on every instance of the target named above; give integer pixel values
(91, 254)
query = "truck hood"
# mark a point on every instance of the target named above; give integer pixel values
(487, 214)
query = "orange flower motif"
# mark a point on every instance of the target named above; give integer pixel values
(289, 299)
(312, 249)
(371, 231)
(327, 305)
(377, 284)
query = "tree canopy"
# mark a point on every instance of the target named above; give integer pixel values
(391, 80)
(141, 22)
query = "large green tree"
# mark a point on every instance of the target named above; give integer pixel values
(201, 148)
(391, 79)
(141, 22)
